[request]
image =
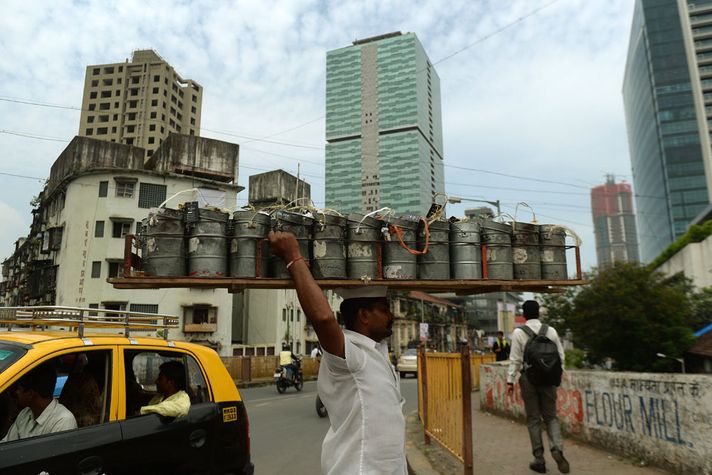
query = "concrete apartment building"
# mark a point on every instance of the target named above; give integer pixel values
(383, 126)
(139, 102)
(667, 92)
(97, 193)
(614, 223)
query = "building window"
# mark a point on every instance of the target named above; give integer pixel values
(117, 306)
(109, 70)
(55, 238)
(99, 229)
(155, 90)
(150, 195)
(153, 115)
(156, 78)
(92, 107)
(116, 269)
(125, 189)
(96, 269)
(95, 83)
(200, 318)
(88, 132)
(152, 127)
(130, 129)
(154, 103)
(104, 106)
(102, 131)
(90, 119)
(143, 307)
(105, 94)
(151, 140)
(103, 189)
(120, 229)
(95, 71)
(93, 305)
(92, 95)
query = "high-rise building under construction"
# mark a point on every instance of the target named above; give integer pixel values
(139, 102)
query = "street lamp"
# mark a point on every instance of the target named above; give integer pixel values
(457, 199)
(679, 360)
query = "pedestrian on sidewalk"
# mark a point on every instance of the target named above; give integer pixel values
(357, 384)
(537, 353)
(501, 347)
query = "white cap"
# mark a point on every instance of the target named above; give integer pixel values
(363, 292)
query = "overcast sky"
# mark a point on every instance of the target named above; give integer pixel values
(532, 107)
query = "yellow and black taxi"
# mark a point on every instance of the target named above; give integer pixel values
(103, 379)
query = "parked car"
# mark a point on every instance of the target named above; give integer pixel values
(106, 378)
(408, 363)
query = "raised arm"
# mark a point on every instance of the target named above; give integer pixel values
(311, 297)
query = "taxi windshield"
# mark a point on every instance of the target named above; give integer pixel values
(9, 354)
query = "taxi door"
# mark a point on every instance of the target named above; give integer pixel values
(91, 449)
(157, 444)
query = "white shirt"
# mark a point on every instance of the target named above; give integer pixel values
(519, 339)
(54, 418)
(361, 392)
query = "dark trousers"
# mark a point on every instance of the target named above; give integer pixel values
(540, 404)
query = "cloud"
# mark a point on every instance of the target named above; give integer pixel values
(540, 98)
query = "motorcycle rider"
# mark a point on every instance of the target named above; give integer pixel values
(289, 361)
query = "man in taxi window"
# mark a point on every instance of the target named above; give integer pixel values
(172, 400)
(42, 414)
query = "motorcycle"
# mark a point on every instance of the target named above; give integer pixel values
(283, 380)
(320, 408)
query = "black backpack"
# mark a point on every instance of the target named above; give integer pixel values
(542, 362)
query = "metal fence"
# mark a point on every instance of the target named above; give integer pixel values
(444, 404)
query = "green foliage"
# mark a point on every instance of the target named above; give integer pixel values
(701, 309)
(696, 233)
(630, 313)
(574, 358)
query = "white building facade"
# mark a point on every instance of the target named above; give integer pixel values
(98, 193)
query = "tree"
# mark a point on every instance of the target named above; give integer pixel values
(629, 313)
(701, 309)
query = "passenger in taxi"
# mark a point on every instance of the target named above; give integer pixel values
(172, 400)
(42, 414)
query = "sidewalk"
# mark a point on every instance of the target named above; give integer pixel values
(501, 446)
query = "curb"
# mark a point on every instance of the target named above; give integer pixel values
(418, 462)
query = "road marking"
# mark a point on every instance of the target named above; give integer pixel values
(265, 401)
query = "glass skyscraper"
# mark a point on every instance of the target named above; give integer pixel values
(383, 126)
(667, 93)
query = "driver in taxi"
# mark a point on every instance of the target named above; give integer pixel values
(172, 400)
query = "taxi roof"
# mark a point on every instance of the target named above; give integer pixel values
(70, 338)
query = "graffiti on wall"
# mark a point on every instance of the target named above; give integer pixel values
(646, 407)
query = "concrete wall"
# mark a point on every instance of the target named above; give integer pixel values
(84, 153)
(275, 187)
(196, 156)
(694, 260)
(665, 419)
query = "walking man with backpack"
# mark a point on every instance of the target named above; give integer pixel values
(538, 355)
